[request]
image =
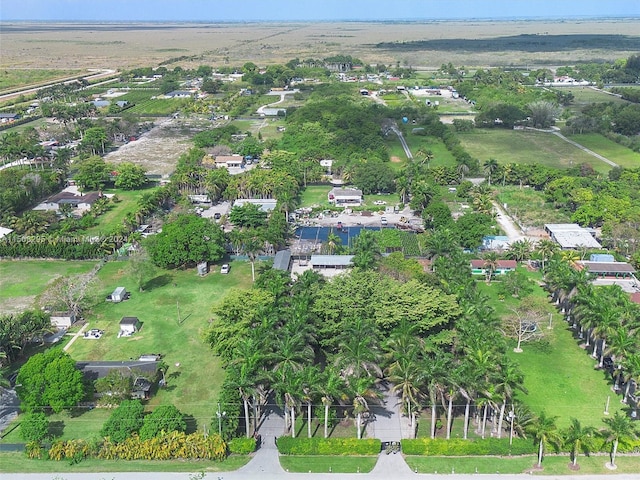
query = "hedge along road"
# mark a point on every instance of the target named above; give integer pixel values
(383, 475)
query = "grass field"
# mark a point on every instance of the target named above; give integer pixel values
(18, 77)
(174, 309)
(18, 462)
(552, 465)
(526, 147)
(22, 281)
(529, 207)
(19, 128)
(583, 96)
(314, 195)
(326, 464)
(623, 156)
(114, 217)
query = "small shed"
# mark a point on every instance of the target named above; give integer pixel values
(203, 268)
(129, 326)
(282, 260)
(119, 294)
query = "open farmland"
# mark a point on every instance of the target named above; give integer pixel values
(525, 146)
(427, 44)
(17, 77)
(623, 156)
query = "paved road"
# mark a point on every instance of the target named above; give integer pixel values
(9, 407)
(403, 142)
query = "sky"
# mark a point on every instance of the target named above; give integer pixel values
(309, 10)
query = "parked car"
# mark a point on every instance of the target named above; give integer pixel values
(379, 202)
(225, 268)
(383, 220)
(217, 216)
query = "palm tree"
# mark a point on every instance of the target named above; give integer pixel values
(490, 265)
(619, 428)
(630, 371)
(490, 167)
(546, 249)
(578, 438)
(545, 431)
(509, 380)
(405, 377)
(462, 170)
(242, 379)
(520, 250)
(252, 245)
(330, 387)
(364, 391)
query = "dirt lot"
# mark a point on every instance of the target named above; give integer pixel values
(74, 46)
(158, 149)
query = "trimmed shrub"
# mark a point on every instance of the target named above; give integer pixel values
(328, 446)
(242, 445)
(458, 447)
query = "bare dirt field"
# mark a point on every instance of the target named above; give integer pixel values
(158, 149)
(424, 44)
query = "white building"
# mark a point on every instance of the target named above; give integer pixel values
(345, 197)
(571, 236)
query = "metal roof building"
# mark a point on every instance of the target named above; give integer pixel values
(282, 260)
(571, 235)
(331, 261)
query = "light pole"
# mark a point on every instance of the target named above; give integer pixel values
(220, 415)
(511, 417)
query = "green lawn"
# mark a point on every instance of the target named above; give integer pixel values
(529, 206)
(623, 156)
(315, 195)
(174, 309)
(39, 123)
(552, 465)
(526, 147)
(559, 375)
(587, 95)
(115, 215)
(326, 464)
(18, 462)
(21, 281)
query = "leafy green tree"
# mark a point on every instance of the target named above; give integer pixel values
(619, 429)
(366, 250)
(126, 419)
(50, 380)
(374, 176)
(34, 427)
(114, 387)
(92, 173)
(248, 215)
(130, 176)
(165, 418)
(186, 240)
(95, 140)
(516, 283)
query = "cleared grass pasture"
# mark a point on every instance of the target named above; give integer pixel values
(623, 156)
(528, 206)
(11, 78)
(526, 147)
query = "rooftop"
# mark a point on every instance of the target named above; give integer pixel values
(95, 370)
(331, 260)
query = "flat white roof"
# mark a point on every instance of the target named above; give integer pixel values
(331, 260)
(265, 204)
(5, 231)
(575, 239)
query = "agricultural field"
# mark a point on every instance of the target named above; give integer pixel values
(623, 156)
(525, 147)
(586, 95)
(12, 78)
(528, 207)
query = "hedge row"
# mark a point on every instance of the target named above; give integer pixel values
(328, 446)
(242, 445)
(458, 447)
(495, 446)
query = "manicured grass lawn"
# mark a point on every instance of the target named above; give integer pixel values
(314, 195)
(552, 465)
(18, 462)
(194, 375)
(587, 95)
(623, 156)
(326, 464)
(115, 215)
(22, 280)
(529, 207)
(559, 375)
(441, 156)
(526, 147)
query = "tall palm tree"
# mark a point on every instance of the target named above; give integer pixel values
(509, 379)
(546, 249)
(619, 428)
(405, 377)
(490, 167)
(490, 265)
(310, 380)
(252, 245)
(630, 372)
(331, 387)
(608, 322)
(520, 250)
(544, 431)
(363, 391)
(578, 438)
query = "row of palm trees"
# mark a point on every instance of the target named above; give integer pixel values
(605, 317)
